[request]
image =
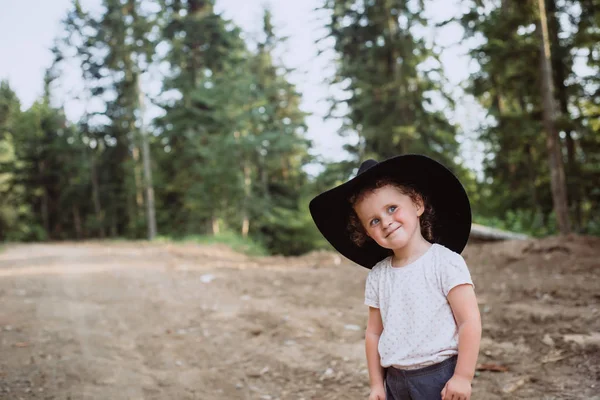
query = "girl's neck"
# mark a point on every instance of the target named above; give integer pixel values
(409, 253)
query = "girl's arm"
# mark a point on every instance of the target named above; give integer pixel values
(374, 329)
(466, 312)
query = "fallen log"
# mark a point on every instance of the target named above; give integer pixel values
(485, 233)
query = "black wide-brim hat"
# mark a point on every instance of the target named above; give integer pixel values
(439, 186)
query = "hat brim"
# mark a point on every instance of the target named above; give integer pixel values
(452, 225)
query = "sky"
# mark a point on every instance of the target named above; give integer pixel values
(25, 44)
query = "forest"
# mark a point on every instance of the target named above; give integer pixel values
(227, 156)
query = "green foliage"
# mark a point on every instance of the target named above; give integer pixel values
(521, 221)
(235, 150)
(393, 79)
(235, 241)
(517, 177)
(229, 152)
(288, 231)
(39, 177)
(9, 112)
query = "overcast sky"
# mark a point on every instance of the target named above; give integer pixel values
(28, 28)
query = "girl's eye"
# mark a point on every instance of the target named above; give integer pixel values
(374, 221)
(391, 209)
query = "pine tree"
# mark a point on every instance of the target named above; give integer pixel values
(508, 85)
(42, 173)
(235, 149)
(10, 210)
(196, 161)
(113, 49)
(279, 152)
(393, 80)
(584, 139)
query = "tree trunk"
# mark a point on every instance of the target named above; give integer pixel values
(150, 212)
(247, 192)
(574, 185)
(44, 206)
(532, 178)
(77, 223)
(114, 226)
(560, 75)
(96, 197)
(45, 213)
(390, 34)
(557, 173)
(137, 171)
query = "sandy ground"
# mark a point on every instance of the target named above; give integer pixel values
(158, 321)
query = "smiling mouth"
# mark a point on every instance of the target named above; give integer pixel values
(388, 235)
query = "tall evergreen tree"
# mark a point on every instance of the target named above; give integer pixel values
(202, 49)
(392, 77)
(42, 178)
(583, 139)
(10, 209)
(235, 149)
(279, 152)
(508, 85)
(113, 49)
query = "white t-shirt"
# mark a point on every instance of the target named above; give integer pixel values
(418, 325)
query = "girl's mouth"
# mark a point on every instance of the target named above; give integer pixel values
(389, 234)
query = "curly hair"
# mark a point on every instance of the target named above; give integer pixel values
(357, 232)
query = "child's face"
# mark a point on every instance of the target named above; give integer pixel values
(389, 217)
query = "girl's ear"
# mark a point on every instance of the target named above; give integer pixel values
(420, 205)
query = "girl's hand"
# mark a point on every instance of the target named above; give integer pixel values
(457, 388)
(377, 393)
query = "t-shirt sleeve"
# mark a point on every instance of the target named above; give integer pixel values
(454, 272)
(372, 289)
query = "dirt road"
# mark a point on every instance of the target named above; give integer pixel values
(158, 321)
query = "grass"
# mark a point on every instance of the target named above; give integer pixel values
(233, 240)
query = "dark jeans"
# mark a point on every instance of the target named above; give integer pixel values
(419, 384)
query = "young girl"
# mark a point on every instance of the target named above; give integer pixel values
(407, 219)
